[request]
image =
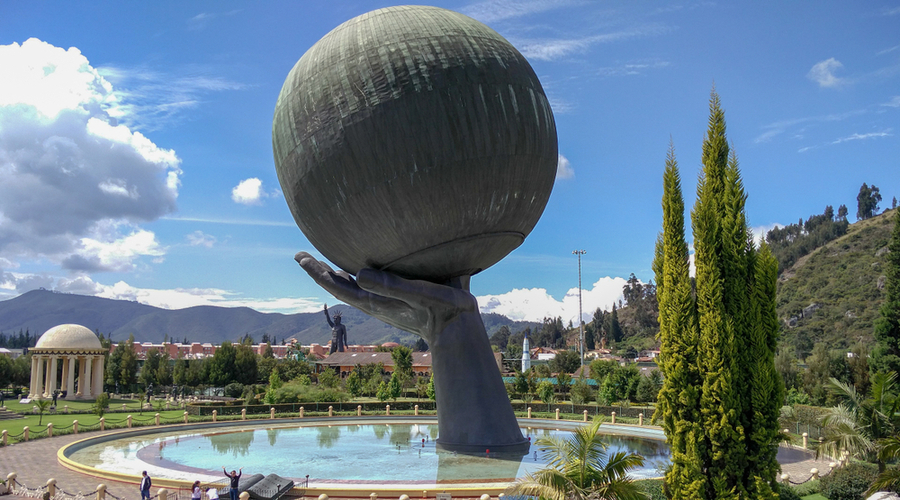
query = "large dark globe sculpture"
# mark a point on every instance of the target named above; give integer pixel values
(414, 140)
(415, 148)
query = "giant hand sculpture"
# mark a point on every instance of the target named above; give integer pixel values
(474, 413)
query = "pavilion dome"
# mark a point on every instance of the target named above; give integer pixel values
(68, 337)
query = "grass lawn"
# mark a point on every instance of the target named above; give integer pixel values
(814, 497)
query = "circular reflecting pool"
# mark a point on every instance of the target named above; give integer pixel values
(362, 452)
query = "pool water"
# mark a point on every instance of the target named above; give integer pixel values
(347, 453)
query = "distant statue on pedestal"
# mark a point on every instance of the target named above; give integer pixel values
(338, 332)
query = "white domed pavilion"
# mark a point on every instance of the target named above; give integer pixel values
(79, 351)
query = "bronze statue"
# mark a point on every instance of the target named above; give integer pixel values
(338, 332)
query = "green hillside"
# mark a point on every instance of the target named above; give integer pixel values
(833, 294)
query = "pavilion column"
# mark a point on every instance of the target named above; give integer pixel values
(87, 391)
(53, 374)
(70, 376)
(46, 384)
(32, 389)
(98, 375)
(39, 391)
(81, 371)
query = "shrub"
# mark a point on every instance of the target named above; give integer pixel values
(100, 404)
(787, 493)
(293, 392)
(234, 390)
(581, 393)
(653, 488)
(848, 482)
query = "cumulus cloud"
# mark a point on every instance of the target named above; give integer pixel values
(759, 232)
(248, 192)
(201, 239)
(823, 73)
(76, 180)
(535, 304)
(564, 168)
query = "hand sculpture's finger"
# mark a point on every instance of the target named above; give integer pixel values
(343, 287)
(417, 293)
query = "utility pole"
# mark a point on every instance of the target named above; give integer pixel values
(579, 253)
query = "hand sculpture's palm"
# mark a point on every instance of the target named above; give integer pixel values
(416, 306)
(462, 361)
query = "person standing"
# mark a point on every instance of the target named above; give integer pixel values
(196, 492)
(235, 478)
(145, 486)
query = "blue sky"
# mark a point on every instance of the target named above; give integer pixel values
(135, 138)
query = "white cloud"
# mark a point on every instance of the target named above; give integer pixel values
(552, 49)
(564, 168)
(534, 304)
(76, 179)
(248, 192)
(857, 137)
(823, 73)
(893, 103)
(499, 10)
(199, 238)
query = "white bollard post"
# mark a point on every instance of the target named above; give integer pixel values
(51, 487)
(387, 410)
(330, 411)
(75, 426)
(805, 440)
(272, 412)
(102, 423)
(613, 417)
(157, 419)
(243, 414)
(359, 413)
(301, 412)
(815, 473)
(185, 417)
(101, 492)
(416, 409)
(26, 432)
(641, 419)
(585, 415)
(215, 414)
(49, 429)
(529, 412)
(128, 419)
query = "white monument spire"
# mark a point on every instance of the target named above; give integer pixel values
(526, 355)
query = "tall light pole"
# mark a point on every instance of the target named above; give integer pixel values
(579, 253)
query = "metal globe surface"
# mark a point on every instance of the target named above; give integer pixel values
(415, 140)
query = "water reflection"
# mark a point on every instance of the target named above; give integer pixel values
(231, 443)
(328, 436)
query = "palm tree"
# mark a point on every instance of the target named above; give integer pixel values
(861, 425)
(42, 406)
(579, 467)
(889, 479)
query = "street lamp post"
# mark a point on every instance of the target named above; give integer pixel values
(579, 253)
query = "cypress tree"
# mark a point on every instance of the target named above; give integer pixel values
(887, 327)
(678, 400)
(721, 398)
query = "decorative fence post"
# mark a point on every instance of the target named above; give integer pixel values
(613, 417)
(330, 411)
(805, 440)
(11, 482)
(163, 494)
(557, 414)
(215, 414)
(75, 426)
(529, 412)
(101, 492)
(185, 417)
(585, 415)
(49, 429)
(102, 423)
(301, 412)
(124, 407)
(641, 419)
(244, 496)
(157, 419)
(387, 410)
(786, 479)
(272, 412)
(51, 487)
(416, 410)
(373, 496)
(26, 431)
(243, 414)
(129, 421)
(359, 413)
(815, 473)
(66, 408)
(5, 437)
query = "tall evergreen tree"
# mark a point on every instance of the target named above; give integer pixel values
(679, 399)
(887, 327)
(720, 400)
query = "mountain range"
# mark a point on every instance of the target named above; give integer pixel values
(40, 310)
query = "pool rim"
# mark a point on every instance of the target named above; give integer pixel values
(349, 491)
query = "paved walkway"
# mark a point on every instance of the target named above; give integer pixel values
(35, 462)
